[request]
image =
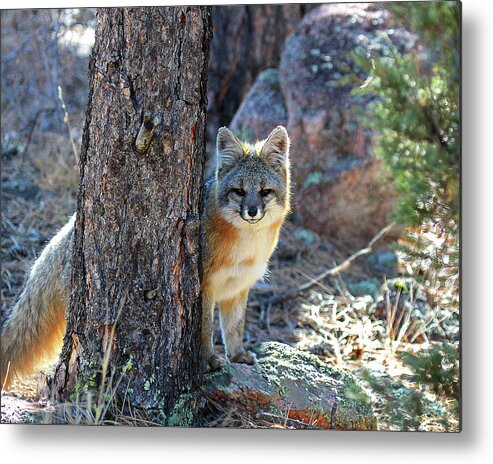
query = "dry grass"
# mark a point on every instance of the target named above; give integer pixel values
(38, 197)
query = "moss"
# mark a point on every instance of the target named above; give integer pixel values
(355, 392)
(182, 414)
(219, 373)
(274, 356)
(148, 382)
(157, 396)
(282, 390)
(272, 409)
(313, 178)
(83, 386)
(129, 366)
(296, 383)
(350, 414)
(270, 76)
(365, 287)
(91, 384)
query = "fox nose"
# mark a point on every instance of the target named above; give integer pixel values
(252, 211)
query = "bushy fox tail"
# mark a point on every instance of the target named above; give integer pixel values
(35, 327)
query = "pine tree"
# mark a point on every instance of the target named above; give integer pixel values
(417, 118)
(417, 114)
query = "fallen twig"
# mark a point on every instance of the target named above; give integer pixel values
(294, 292)
(69, 126)
(287, 421)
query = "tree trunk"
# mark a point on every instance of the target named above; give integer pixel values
(133, 321)
(247, 40)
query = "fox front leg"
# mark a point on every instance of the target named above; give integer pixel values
(211, 361)
(232, 314)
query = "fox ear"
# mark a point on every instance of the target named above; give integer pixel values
(275, 150)
(229, 149)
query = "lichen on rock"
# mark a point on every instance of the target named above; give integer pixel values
(298, 385)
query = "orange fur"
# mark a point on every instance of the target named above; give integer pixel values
(222, 238)
(249, 262)
(276, 226)
(230, 305)
(25, 350)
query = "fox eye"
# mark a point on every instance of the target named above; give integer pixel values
(265, 192)
(240, 192)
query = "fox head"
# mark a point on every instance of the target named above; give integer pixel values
(253, 180)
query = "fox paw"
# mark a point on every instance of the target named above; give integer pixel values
(244, 357)
(214, 362)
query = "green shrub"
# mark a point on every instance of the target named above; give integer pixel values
(417, 113)
(437, 368)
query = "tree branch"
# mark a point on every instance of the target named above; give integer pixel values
(294, 292)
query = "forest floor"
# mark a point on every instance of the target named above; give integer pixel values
(361, 320)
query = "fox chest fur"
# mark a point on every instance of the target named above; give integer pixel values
(237, 257)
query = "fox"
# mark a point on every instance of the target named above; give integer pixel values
(246, 203)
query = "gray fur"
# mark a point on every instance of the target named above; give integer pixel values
(249, 181)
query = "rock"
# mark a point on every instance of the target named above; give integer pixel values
(247, 40)
(322, 115)
(262, 109)
(384, 262)
(365, 287)
(348, 204)
(339, 188)
(291, 383)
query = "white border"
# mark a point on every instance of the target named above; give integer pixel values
(84, 444)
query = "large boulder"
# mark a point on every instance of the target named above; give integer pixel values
(323, 115)
(262, 109)
(290, 383)
(340, 190)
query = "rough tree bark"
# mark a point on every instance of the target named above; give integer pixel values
(247, 40)
(133, 321)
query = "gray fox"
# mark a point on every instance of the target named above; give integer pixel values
(246, 204)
